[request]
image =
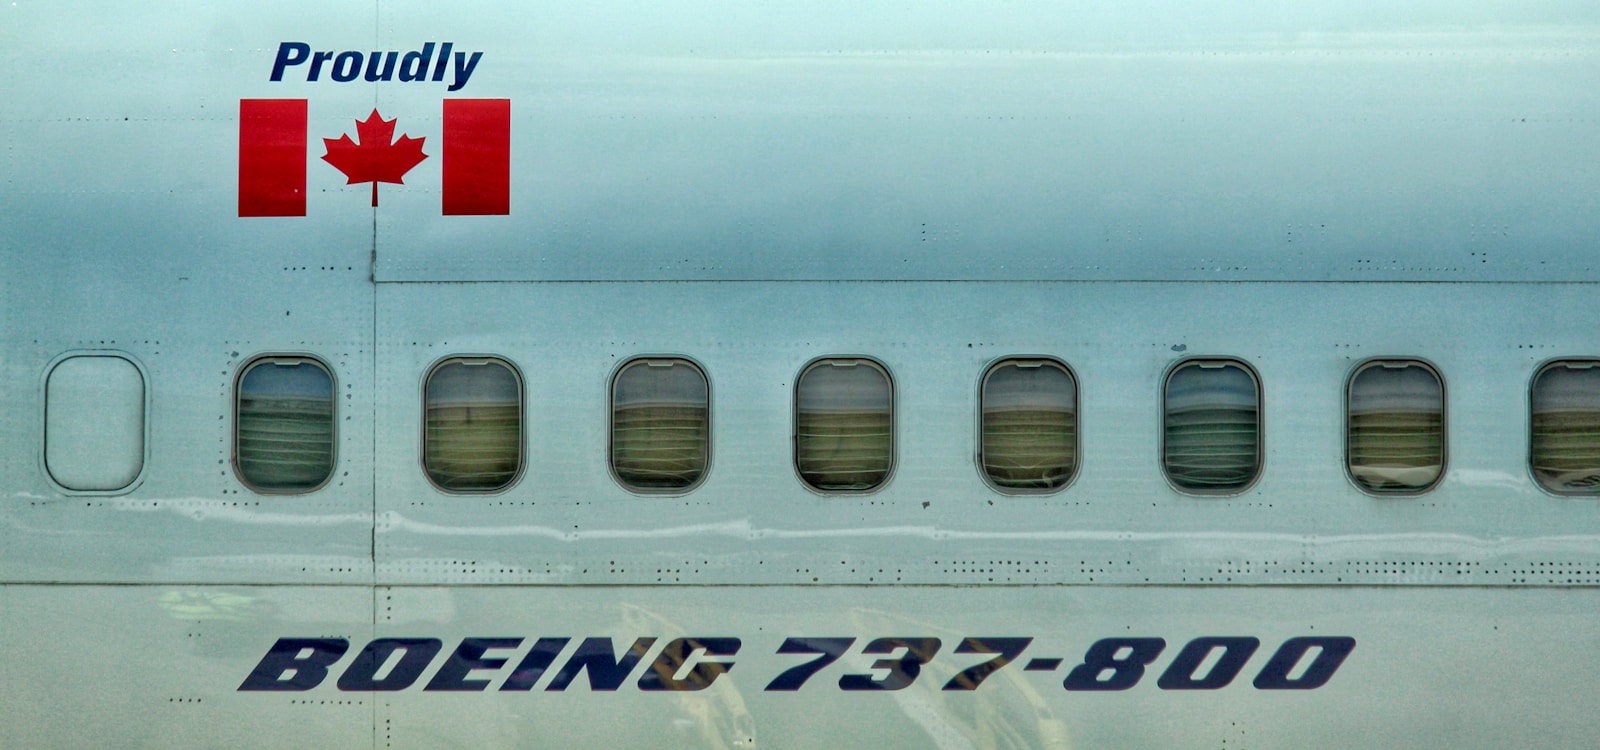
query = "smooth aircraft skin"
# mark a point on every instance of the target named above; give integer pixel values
(1130, 190)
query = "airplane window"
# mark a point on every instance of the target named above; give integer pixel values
(1564, 449)
(94, 423)
(844, 425)
(1211, 436)
(472, 431)
(660, 425)
(1395, 438)
(1029, 435)
(283, 425)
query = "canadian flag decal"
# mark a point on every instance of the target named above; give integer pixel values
(375, 159)
(474, 156)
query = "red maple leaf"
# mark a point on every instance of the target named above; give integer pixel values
(375, 159)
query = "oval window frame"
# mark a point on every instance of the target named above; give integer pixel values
(333, 397)
(894, 416)
(1444, 424)
(522, 421)
(1077, 425)
(611, 426)
(1591, 363)
(1261, 424)
(44, 422)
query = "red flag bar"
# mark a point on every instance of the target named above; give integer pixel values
(272, 157)
(476, 157)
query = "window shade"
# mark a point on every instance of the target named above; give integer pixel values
(1564, 449)
(1211, 441)
(844, 437)
(1396, 429)
(472, 433)
(284, 425)
(660, 424)
(1028, 438)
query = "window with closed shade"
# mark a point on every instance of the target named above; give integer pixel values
(472, 429)
(94, 432)
(1564, 449)
(844, 425)
(284, 425)
(1211, 435)
(660, 425)
(1028, 439)
(1396, 431)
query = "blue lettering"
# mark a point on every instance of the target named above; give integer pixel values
(467, 657)
(289, 53)
(464, 67)
(388, 66)
(378, 65)
(316, 64)
(414, 66)
(1331, 652)
(291, 655)
(693, 663)
(344, 73)
(660, 675)
(535, 663)
(1235, 652)
(444, 60)
(606, 672)
(1118, 673)
(415, 655)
